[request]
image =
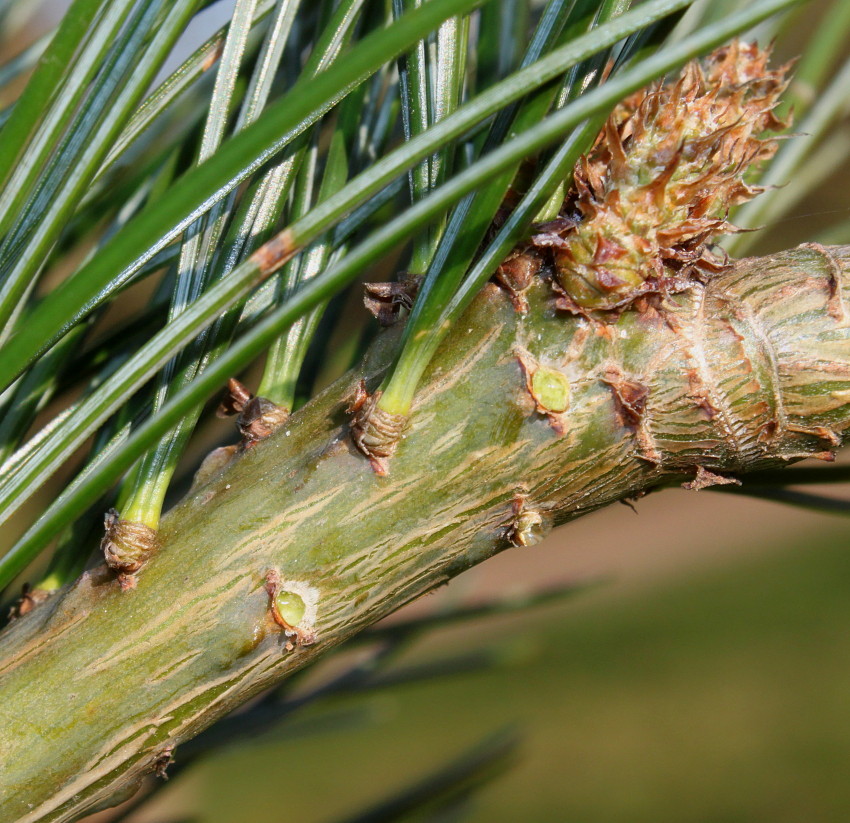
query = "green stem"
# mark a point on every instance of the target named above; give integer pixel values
(78, 495)
(153, 666)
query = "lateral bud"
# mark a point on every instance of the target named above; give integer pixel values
(654, 191)
(127, 545)
(375, 432)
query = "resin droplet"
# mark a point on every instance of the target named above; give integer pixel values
(291, 607)
(529, 525)
(530, 528)
(551, 390)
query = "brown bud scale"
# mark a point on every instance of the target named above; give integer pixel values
(257, 417)
(127, 545)
(376, 433)
(386, 300)
(30, 599)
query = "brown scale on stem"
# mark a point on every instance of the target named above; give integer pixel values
(163, 760)
(256, 417)
(821, 433)
(30, 599)
(376, 433)
(700, 393)
(630, 402)
(386, 300)
(516, 273)
(835, 305)
(629, 396)
(704, 478)
(127, 545)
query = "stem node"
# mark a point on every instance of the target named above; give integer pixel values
(375, 432)
(127, 545)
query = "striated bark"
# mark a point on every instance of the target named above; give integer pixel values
(749, 371)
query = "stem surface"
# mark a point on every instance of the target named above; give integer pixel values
(747, 372)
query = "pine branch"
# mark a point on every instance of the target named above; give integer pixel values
(297, 544)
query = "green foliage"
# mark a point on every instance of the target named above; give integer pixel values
(215, 271)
